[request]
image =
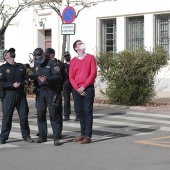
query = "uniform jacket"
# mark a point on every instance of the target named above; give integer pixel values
(9, 74)
(51, 71)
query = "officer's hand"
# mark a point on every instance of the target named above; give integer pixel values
(30, 80)
(42, 78)
(16, 84)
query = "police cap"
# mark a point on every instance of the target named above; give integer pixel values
(38, 54)
(66, 53)
(49, 51)
(11, 51)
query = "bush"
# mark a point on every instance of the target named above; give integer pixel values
(130, 75)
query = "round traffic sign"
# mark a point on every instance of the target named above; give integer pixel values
(68, 15)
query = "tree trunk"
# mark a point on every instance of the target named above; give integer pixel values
(63, 47)
(2, 32)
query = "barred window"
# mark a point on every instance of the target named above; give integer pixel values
(162, 31)
(108, 35)
(134, 32)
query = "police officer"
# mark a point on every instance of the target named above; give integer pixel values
(57, 66)
(45, 95)
(12, 80)
(67, 89)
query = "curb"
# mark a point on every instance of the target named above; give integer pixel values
(139, 108)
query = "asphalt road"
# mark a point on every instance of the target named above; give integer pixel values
(123, 139)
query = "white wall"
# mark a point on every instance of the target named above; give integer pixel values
(28, 35)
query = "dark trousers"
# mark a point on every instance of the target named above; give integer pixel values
(85, 110)
(67, 90)
(44, 100)
(11, 101)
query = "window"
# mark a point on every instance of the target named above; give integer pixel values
(162, 31)
(2, 47)
(108, 35)
(134, 32)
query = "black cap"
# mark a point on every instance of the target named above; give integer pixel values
(66, 53)
(11, 51)
(38, 54)
(49, 51)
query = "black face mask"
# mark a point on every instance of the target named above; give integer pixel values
(67, 58)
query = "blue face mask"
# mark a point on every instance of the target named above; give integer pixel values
(39, 60)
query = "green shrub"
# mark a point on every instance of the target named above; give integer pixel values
(130, 75)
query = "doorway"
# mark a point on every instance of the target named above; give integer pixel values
(47, 39)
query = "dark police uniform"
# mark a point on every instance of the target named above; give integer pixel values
(67, 90)
(46, 97)
(57, 67)
(14, 98)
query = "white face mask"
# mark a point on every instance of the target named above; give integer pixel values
(82, 47)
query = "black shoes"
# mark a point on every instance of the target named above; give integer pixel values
(76, 119)
(60, 135)
(2, 141)
(29, 140)
(66, 119)
(40, 140)
(57, 142)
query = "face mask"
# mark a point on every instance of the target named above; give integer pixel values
(39, 60)
(67, 58)
(82, 47)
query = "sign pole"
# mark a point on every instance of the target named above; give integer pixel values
(68, 43)
(68, 16)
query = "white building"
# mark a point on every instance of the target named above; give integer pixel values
(103, 27)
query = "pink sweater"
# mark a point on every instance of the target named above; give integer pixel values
(82, 73)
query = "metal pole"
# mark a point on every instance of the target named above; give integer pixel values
(68, 43)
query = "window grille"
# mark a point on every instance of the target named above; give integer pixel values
(162, 31)
(134, 32)
(108, 35)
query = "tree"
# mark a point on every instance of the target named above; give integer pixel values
(8, 13)
(56, 4)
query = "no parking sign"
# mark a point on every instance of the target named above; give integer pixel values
(68, 15)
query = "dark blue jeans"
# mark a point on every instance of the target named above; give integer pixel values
(85, 110)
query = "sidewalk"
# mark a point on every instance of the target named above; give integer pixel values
(161, 102)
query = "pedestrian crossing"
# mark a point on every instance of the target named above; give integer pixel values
(108, 123)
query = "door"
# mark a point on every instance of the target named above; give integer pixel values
(47, 39)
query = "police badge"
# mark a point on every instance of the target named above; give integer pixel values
(7, 70)
(57, 68)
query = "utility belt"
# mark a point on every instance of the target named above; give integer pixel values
(14, 90)
(44, 88)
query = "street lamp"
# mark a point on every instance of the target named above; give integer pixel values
(42, 22)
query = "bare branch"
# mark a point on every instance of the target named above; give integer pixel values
(8, 13)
